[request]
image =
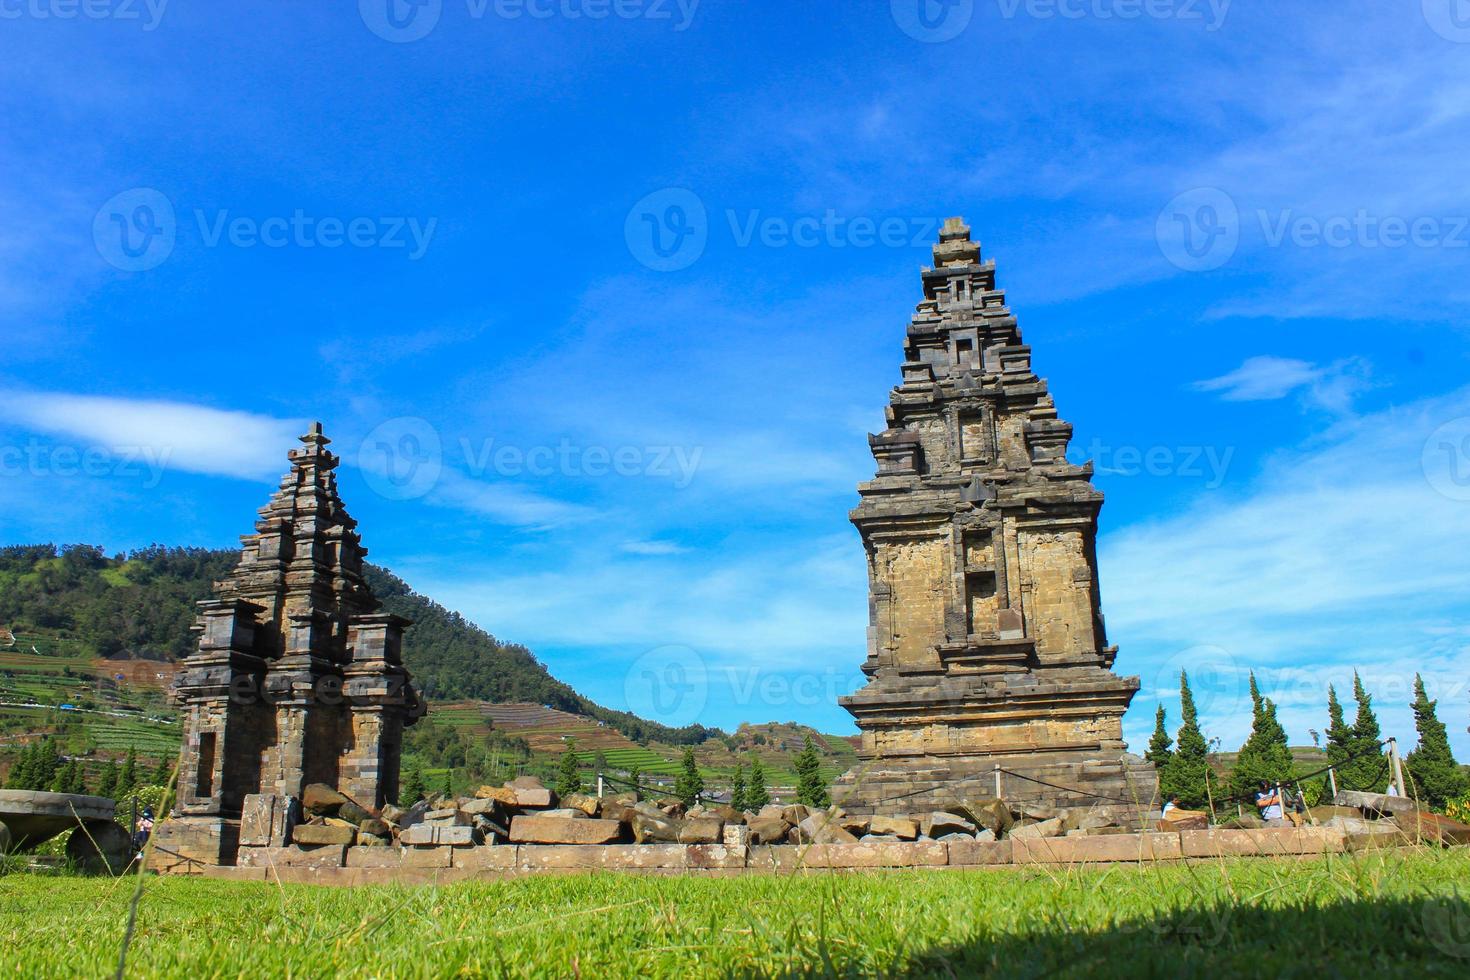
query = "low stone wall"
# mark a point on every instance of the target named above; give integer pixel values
(341, 865)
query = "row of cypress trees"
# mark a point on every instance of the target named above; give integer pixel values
(1354, 751)
(42, 767)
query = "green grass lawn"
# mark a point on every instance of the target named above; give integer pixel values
(1374, 915)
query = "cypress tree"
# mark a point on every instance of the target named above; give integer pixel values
(107, 784)
(635, 776)
(811, 788)
(448, 790)
(1437, 778)
(756, 795)
(1265, 755)
(127, 780)
(1367, 772)
(162, 775)
(412, 789)
(568, 776)
(20, 773)
(1158, 746)
(1339, 734)
(1184, 774)
(737, 787)
(689, 783)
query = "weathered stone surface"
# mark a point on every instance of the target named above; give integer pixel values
(903, 854)
(373, 827)
(526, 829)
(652, 826)
(1265, 841)
(100, 847)
(267, 819)
(1376, 802)
(320, 800)
(502, 794)
(428, 857)
(483, 807)
(34, 817)
(937, 824)
(988, 812)
(644, 857)
(1324, 813)
(1433, 828)
(424, 835)
(901, 827)
(714, 857)
(978, 852)
(374, 857)
(1084, 850)
(1178, 820)
(735, 835)
(307, 834)
(328, 856)
(768, 830)
(588, 805)
(823, 828)
(702, 830)
(533, 798)
(986, 640)
(499, 858)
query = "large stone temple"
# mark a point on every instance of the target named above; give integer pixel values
(298, 677)
(986, 644)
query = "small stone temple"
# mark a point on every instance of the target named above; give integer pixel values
(298, 677)
(986, 643)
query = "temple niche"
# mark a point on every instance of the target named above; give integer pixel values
(298, 678)
(986, 642)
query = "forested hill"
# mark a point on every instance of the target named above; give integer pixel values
(142, 604)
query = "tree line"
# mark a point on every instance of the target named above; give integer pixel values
(1354, 751)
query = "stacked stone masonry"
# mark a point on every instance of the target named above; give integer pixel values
(986, 641)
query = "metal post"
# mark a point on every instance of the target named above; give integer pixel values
(1332, 781)
(1396, 766)
(599, 786)
(997, 782)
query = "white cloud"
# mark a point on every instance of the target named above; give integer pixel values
(1347, 552)
(653, 548)
(183, 436)
(1266, 378)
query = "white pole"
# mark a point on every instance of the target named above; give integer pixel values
(1332, 781)
(599, 786)
(997, 782)
(1396, 767)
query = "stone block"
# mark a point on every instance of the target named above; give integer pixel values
(374, 857)
(563, 830)
(327, 856)
(901, 827)
(1263, 842)
(652, 826)
(307, 834)
(988, 812)
(714, 857)
(768, 829)
(937, 824)
(1117, 848)
(503, 795)
(1376, 802)
(902, 854)
(976, 853)
(319, 800)
(560, 857)
(1432, 828)
(428, 857)
(822, 828)
(497, 858)
(588, 805)
(645, 857)
(736, 835)
(1032, 831)
(702, 830)
(267, 819)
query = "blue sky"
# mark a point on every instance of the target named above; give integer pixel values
(1235, 236)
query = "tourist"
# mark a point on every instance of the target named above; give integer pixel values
(1170, 805)
(145, 829)
(1268, 801)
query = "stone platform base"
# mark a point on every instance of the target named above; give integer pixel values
(338, 865)
(184, 845)
(918, 783)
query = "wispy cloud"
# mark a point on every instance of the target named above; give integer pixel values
(188, 437)
(1267, 378)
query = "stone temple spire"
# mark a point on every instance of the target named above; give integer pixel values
(305, 552)
(986, 642)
